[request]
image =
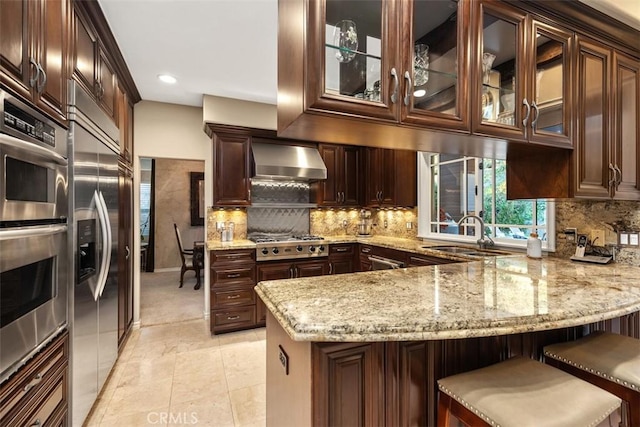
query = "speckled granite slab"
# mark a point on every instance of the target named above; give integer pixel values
(214, 245)
(496, 296)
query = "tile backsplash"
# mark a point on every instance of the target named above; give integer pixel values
(331, 222)
(586, 215)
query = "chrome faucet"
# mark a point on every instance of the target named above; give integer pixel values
(482, 242)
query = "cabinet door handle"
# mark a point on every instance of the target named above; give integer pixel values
(233, 317)
(233, 276)
(366, 250)
(41, 86)
(330, 268)
(613, 181)
(236, 296)
(526, 117)
(408, 88)
(342, 249)
(34, 382)
(34, 80)
(37, 422)
(537, 111)
(396, 84)
(127, 252)
(619, 174)
(291, 273)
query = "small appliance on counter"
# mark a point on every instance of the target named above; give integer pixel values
(364, 225)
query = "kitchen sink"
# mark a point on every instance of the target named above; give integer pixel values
(466, 250)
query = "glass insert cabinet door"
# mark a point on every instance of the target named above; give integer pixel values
(358, 56)
(436, 91)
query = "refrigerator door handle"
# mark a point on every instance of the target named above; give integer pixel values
(106, 261)
(105, 246)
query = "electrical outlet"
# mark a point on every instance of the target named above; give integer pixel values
(409, 225)
(624, 238)
(598, 237)
(633, 239)
(386, 224)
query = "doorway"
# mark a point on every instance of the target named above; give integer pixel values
(165, 200)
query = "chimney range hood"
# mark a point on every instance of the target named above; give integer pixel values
(287, 162)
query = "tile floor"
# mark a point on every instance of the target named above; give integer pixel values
(171, 371)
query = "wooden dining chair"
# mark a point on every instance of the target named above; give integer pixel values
(189, 261)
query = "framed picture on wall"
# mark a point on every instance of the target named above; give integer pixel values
(197, 198)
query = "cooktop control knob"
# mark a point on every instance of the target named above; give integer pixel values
(299, 248)
(275, 251)
(265, 251)
(312, 248)
(321, 248)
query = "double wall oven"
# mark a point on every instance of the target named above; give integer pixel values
(34, 206)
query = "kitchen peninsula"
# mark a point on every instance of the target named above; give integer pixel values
(368, 348)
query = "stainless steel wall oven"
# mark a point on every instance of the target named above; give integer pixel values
(34, 247)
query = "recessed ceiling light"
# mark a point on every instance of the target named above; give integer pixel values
(166, 78)
(419, 93)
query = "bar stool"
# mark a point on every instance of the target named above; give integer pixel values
(610, 361)
(522, 392)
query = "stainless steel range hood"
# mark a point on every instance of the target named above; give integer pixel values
(274, 161)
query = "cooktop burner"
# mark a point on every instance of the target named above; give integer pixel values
(289, 247)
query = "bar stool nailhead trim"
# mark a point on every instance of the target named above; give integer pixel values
(593, 371)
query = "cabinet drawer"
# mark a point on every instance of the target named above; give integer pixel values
(341, 250)
(239, 256)
(52, 401)
(226, 276)
(240, 317)
(30, 380)
(230, 297)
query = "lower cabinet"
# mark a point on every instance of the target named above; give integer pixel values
(233, 300)
(38, 394)
(342, 258)
(349, 384)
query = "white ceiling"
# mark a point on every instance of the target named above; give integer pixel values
(222, 47)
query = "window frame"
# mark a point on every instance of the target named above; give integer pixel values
(425, 212)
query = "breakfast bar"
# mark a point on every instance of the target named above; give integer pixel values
(367, 348)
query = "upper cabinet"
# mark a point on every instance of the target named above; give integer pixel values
(384, 62)
(344, 182)
(232, 168)
(607, 158)
(91, 65)
(33, 46)
(522, 86)
(390, 177)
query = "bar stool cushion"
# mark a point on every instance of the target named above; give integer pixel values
(523, 392)
(610, 356)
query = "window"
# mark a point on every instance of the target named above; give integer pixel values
(452, 186)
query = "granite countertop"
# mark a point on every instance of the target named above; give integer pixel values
(215, 245)
(494, 296)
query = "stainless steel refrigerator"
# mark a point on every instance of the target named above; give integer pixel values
(93, 310)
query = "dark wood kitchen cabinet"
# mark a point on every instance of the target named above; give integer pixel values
(125, 124)
(370, 68)
(33, 52)
(125, 248)
(231, 165)
(522, 77)
(344, 181)
(38, 394)
(390, 177)
(92, 67)
(348, 383)
(233, 300)
(342, 258)
(607, 157)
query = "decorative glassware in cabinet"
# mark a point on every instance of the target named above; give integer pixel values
(353, 46)
(420, 64)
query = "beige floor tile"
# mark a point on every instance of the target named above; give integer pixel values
(261, 333)
(249, 404)
(162, 302)
(215, 414)
(199, 390)
(244, 364)
(147, 370)
(237, 337)
(154, 396)
(200, 362)
(154, 349)
(137, 419)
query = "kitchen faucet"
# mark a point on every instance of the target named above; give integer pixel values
(482, 242)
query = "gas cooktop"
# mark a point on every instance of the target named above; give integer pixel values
(289, 247)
